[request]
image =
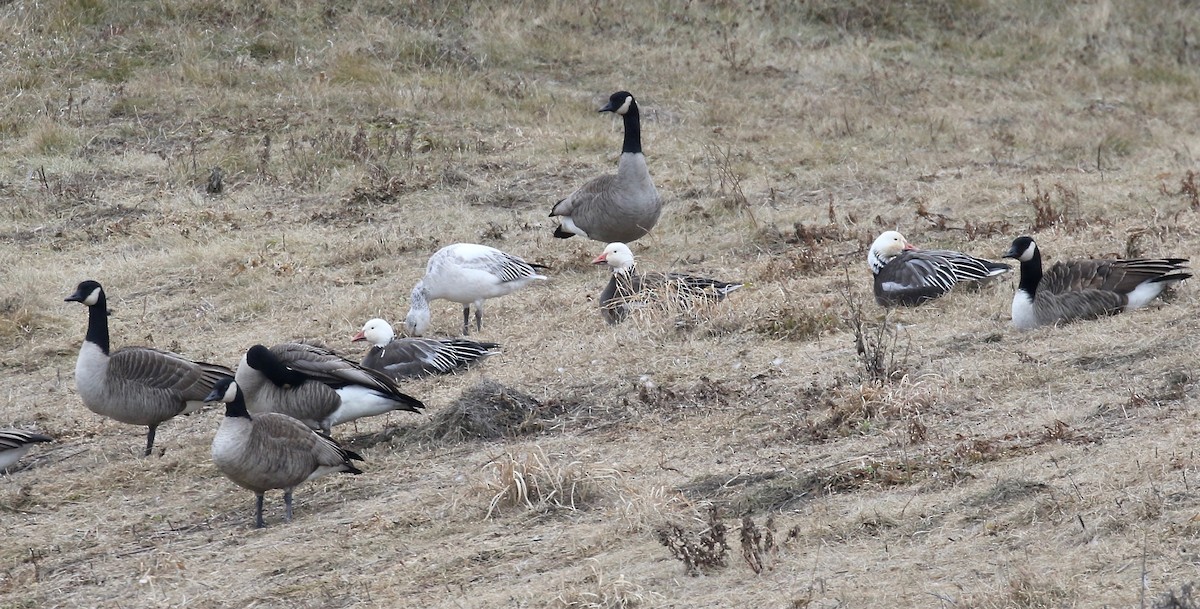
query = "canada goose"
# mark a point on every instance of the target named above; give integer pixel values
(627, 289)
(620, 206)
(271, 450)
(136, 385)
(14, 443)
(907, 276)
(1086, 289)
(467, 273)
(414, 357)
(316, 386)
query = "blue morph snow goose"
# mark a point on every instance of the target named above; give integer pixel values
(135, 385)
(1086, 289)
(467, 273)
(271, 451)
(620, 206)
(402, 358)
(628, 289)
(14, 443)
(316, 386)
(907, 276)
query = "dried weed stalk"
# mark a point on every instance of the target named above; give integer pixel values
(757, 543)
(877, 343)
(699, 552)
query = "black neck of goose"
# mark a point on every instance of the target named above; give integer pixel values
(97, 330)
(633, 130)
(237, 408)
(1031, 273)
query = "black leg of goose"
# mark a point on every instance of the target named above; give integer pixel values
(466, 319)
(258, 507)
(478, 318)
(150, 440)
(287, 505)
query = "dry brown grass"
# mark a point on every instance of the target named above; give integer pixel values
(949, 461)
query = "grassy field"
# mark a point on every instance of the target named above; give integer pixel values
(749, 456)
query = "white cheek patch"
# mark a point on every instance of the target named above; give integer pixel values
(625, 106)
(92, 298)
(1027, 255)
(230, 393)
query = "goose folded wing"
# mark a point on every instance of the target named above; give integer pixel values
(968, 267)
(595, 193)
(1081, 304)
(917, 273)
(321, 364)
(165, 370)
(506, 267)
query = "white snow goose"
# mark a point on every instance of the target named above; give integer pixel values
(1086, 289)
(628, 289)
(403, 358)
(14, 443)
(271, 450)
(467, 273)
(907, 276)
(135, 385)
(621, 206)
(316, 386)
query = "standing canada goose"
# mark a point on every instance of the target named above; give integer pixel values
(627, 289)
(1086, 289)
(316, 386)
(467, 273)
(271, 450)
(14, 443)
(907, 276)
(402, 358)
(136, 385)
(620, 206)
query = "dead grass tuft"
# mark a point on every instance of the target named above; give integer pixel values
(531, 479)
(1183, 598)
(1048, 215)
(757, 544)
(600, 592)
(487, 410)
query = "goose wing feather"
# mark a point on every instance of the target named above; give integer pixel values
(163, 370)
(413, 357)
(16, 438)
(321, 364)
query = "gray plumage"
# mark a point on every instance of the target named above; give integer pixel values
(628, 289)
(14, 443)
(271, 451)
(907, 276)
(615, 207)
(136, 385)
(316, 386)
(1086, 289)
(404, 358)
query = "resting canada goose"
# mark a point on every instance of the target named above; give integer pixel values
(627, 289)
(1086, 289)
(316, 386)
(271, 450)
(402, 358)
(620, 206)
(467, 273)
(907, 276)
(135, 385)
(14, 443)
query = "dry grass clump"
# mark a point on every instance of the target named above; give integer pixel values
(700, 551)
(597, 591)
(487, 410)
(534, 480)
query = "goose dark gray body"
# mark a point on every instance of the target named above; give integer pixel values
(316, 386)
(907, 276)
(1086, 289)
(14, 443)
(136, 385)
(615, 207)
(628, 289)
(271, 451)
(406, 358)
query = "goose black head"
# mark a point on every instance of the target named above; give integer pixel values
(1023, 249)
(619, 102)
(88, 292)
(225, 390)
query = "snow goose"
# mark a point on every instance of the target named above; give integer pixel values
(135, 385)
(316, 385)
(615, 207)
(467, 273)
(628, 289)
(14, 443)
(1086, 289)
(907, 276)
(402, 358)
(271, 450)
